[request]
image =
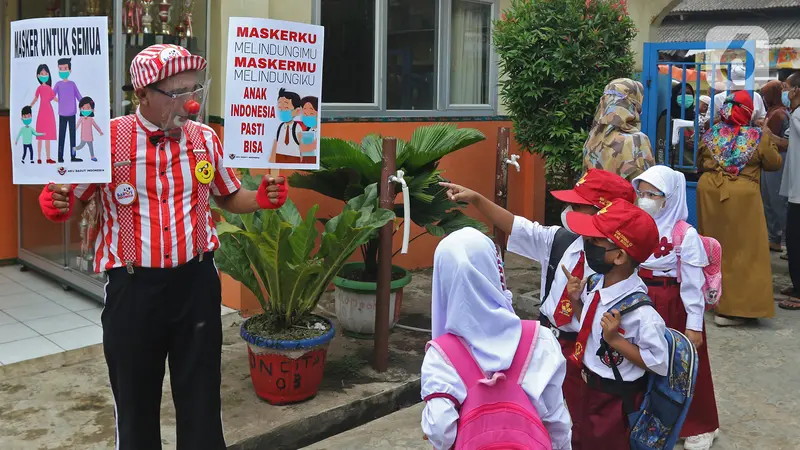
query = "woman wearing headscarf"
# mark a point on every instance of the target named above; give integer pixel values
(729, 204)
(774, 205)
(615, 142)
(470, 301)
(676, 289)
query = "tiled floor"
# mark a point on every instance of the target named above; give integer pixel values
(38, 318)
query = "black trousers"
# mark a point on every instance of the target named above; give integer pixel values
(155, 315)
(65, 122)
(793, 244)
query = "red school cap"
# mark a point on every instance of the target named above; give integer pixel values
(598, 188)
(632, 229)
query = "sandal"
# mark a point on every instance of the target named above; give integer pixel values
(791, 304)
(785, 256)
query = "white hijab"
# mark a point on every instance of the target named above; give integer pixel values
(470, 299)
(673, 184)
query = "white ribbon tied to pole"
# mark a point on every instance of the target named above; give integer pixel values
(406, 208)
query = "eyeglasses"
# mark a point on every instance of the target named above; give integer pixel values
(649, 194)
(181, 94)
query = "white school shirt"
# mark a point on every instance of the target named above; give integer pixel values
(292, 148)
(693, 259)
(542, 383)
(534, 241)
(643, 328)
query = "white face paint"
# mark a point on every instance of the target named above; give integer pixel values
(651, 206)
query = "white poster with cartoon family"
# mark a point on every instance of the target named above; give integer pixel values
(273, 94)
(60, 106)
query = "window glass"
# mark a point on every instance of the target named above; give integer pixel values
(348, 73)
(470, 50)
(411, 54)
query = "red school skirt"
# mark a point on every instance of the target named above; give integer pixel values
(702, 418)
(573, 382)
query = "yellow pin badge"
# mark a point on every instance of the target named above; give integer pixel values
(204, 172)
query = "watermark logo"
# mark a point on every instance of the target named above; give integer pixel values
(62, 171)
(725, 56)
(232, 156)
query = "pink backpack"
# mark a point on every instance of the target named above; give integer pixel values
(712, 288)
(497, 413)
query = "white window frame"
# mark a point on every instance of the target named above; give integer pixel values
(443, 107)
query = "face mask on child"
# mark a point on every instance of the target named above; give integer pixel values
(44, 78)
(596, 258)
(86, 113)
(785, 99)
(650, 205)
(27, 121)
(566, 210)
(63, 75)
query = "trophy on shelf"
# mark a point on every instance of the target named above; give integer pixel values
(132, 17)
(184, 27)
(163, 14)
(146, 18)
(92, 8)
(53, 7)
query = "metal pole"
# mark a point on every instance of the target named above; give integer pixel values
(386, 192)
(501, 181)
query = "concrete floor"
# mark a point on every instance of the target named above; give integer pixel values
(756, 376)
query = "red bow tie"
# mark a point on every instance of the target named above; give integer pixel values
(160, 136)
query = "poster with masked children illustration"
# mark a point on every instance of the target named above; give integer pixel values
(60, 114)
(273, 94)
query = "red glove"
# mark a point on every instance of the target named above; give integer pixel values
(262, 195)
(50, 211)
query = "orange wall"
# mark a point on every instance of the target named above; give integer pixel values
(10, 196)
(473, 167)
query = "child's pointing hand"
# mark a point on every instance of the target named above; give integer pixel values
(575, 285)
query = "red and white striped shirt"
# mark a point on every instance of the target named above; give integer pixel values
(165, 213)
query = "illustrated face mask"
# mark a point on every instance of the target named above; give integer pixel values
(63, 75)
(310, 121)
(284, 115)
(86, 113)
(27, 121)
(44, 78)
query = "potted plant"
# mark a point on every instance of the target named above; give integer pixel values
(347, 168)
(271, 252)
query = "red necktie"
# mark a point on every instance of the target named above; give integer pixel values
(564, 312)
(286, 141)
(586, 328)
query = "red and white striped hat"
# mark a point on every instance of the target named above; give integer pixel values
(161, 61)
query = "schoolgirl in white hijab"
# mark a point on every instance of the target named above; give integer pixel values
(661, 193)
(470, 300)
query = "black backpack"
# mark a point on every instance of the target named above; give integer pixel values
(294, 131)
(561, 242)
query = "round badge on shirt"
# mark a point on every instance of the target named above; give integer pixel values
(125, 194)
(204, 172)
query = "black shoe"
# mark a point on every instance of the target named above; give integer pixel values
(61, 160)
(23, 161)
(76, 160)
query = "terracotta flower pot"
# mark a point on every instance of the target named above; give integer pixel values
(287, 371)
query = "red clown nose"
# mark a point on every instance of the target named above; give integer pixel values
(192, 107)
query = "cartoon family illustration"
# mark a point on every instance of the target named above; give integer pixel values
(70, 103)
(296, 138)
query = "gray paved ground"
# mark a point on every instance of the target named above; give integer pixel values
(756, 375)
